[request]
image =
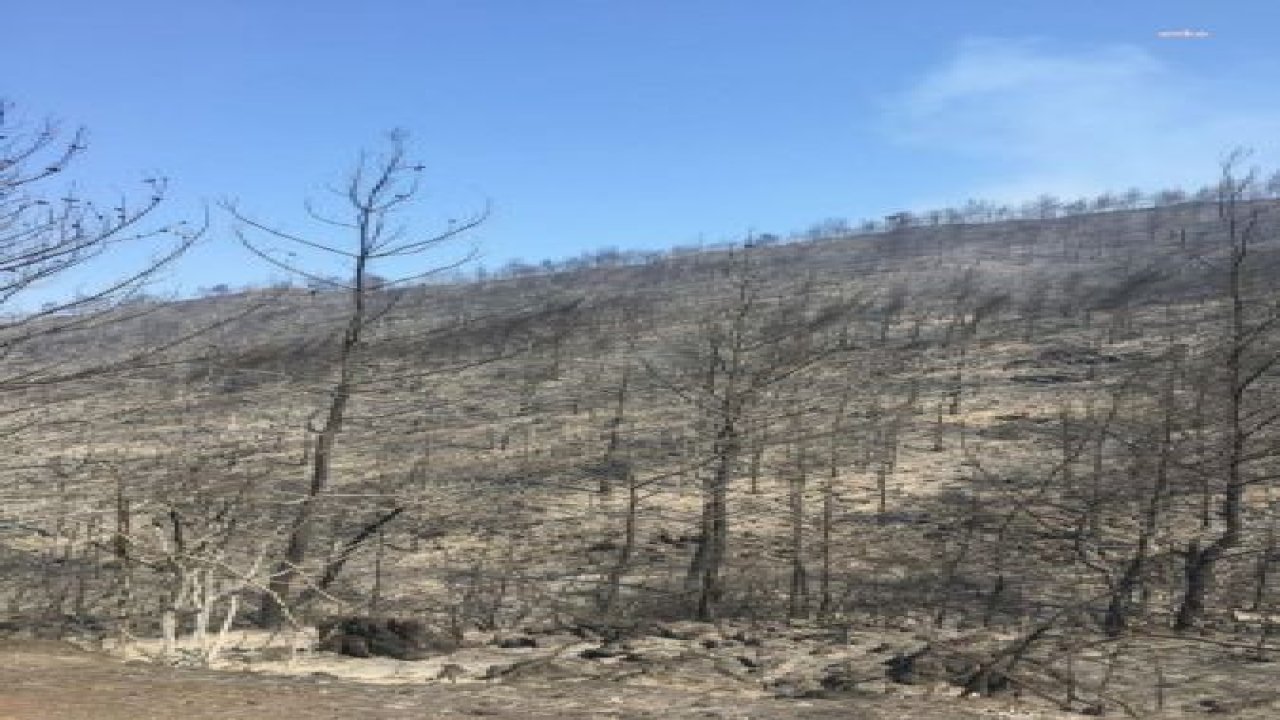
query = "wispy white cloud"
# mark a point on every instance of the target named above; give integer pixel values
(1038, 119)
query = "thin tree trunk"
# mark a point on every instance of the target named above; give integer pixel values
(1201, 561)
(798, 597)
(121, 543)
(1131, 580)
(828, 507)
(709, 560)
(615, 428)
(271, 611)
(613, 588)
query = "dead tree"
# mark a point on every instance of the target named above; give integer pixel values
(52, 234)
(798, 594)
(1130, 581)
(47, 233)
(834, 465)
(615, 430)
(379, 189)
(1241, 367)
(739, 349)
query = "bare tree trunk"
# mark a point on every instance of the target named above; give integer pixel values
(888, 465)
(957, 380)
(1202, 560)
(1262, 571)
(971, 526)
(622, 564)
(798, 596)
(1133, 576)
(1202, 450)
(121, 541)
(759, 437)
(615, 428)
(271, 613)
(828, 506)
(333, 568)
(380, 551)
(745, 353)
(714, 538)
(377, 189)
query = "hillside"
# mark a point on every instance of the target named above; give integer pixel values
(1013, 443)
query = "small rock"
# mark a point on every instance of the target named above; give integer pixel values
(603, 652)
(839, 678)
(516, 642)
(926, 664)
(451, 672)
(794, 685)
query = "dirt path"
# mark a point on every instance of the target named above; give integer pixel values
(54, 681)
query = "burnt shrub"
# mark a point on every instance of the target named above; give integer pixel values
(364, 636)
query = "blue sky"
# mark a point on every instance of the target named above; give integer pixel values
(644, 123)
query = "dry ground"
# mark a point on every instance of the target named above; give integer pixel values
(52, 680)
(43, 680)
